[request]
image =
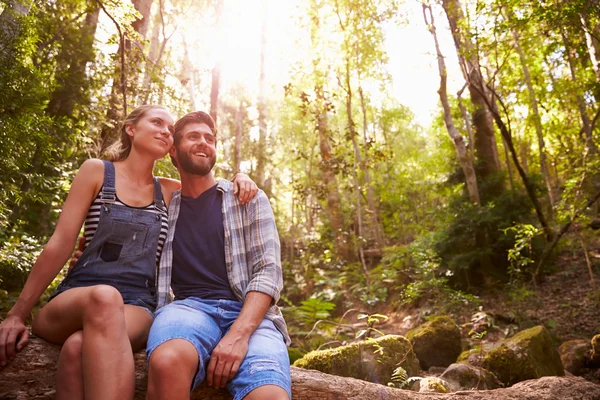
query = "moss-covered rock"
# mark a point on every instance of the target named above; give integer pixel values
(372, 360)
(530, 354)
(595, 354)
(436, 342)
(467, 377)
(574, 355)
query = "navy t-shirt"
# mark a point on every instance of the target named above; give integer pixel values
(199, 268)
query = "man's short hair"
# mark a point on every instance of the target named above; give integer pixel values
(196, 116)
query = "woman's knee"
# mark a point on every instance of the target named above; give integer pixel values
(104, 298)
(70, 353)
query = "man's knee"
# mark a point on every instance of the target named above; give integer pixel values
(268, 392)
(175, 357)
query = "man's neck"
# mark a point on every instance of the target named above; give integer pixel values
(195, 185)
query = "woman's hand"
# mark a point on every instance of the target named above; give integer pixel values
(244, 187)
(14, 335)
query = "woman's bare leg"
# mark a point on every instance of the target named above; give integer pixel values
(69, 376)
(107, 358)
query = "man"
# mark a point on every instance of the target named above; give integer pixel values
(222, 261)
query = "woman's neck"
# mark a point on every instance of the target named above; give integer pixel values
(138, 169)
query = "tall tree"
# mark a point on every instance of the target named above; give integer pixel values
(466, 162)
(486, 149)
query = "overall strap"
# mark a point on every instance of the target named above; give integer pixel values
(109, 192)
(159, 204)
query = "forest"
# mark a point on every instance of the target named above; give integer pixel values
(423, 158)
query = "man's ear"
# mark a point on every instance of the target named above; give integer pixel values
(172, 156)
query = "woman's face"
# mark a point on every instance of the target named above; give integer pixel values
(153, 133)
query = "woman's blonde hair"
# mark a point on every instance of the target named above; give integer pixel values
(120, 149)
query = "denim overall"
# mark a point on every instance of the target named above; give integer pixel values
(122, 252)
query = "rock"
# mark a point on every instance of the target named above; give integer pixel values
(529, 354)
(595, 355)
(436, 370)
(431, 384)
(574, 355)
(436, 342)
(362, 360)
(466, 377)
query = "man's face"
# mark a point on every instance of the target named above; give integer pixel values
(196, 152)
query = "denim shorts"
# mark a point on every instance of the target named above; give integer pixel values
(204, 322)
(144, 301)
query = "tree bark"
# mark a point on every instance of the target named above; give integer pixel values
(31, 376)
(466, 163)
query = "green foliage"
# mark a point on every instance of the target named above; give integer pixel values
(16, 259)
(427, 283)
(520, 256)
(313, 310)
(399, 378)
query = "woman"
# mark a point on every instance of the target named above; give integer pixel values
(102, 311)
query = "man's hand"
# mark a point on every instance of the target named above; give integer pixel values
(244, 187)
(13, 337)
(78, 252)
(226, 359)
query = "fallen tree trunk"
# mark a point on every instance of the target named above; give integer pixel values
(31, 376)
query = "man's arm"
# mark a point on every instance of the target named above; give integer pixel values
(228, 355)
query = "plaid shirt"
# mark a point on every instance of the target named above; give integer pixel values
(252, 250)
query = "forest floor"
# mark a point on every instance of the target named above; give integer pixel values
(566, 302)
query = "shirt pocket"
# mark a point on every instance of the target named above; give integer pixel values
(127, 240)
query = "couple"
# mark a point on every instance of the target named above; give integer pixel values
(223, 325)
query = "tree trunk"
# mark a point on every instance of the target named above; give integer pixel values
(152, 59)
(357, 161)
(486, 148)
(261, 157)
(216, 71)
(537, 121)
(334, 204)
(591, 47)
(585, 119)
(10, 26)
(187, 76)
(466, 163)
(239, 126)
(31, 376)
(371, 202)
(71, 75)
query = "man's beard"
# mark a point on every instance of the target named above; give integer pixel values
(187, 164)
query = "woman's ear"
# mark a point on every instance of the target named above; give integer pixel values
(129, 129)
